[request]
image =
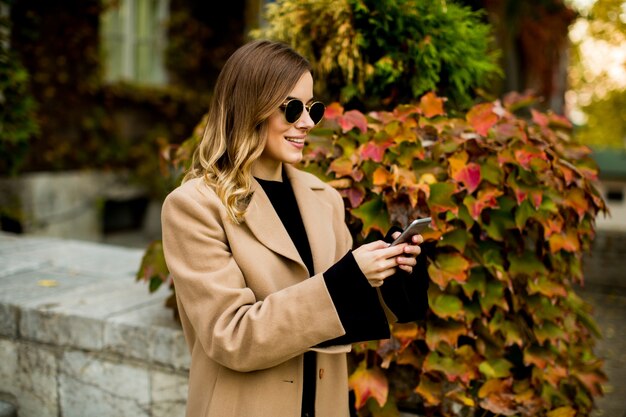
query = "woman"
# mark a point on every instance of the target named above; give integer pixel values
(269, 292)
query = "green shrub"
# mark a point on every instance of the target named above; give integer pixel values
(514, 207)
(368, 52)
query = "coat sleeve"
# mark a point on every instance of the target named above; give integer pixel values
(222, 314)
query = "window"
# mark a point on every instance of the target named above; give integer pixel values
(133, 35)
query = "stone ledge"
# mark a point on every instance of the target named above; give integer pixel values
(78, 335)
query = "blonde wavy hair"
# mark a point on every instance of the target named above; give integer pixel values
(252, 85)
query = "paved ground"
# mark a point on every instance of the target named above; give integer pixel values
(610, 313)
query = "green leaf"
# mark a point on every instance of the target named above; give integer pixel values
(491, 171)
(499, 222)
(549, 331)
(477, 282)
(445, 305)
(448, 267)
(446, 331)
(494, 296)
(496, 368)
(524, 212)
(456, 238)
(526, 264)
(374, 215)
(440, 199)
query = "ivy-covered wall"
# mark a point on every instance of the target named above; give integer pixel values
(87, 124)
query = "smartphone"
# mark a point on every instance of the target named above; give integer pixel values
(417, 226)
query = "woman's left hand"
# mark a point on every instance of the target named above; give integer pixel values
(407, 261)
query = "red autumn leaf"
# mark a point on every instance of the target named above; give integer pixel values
(481, 117)
(469, 175)
(352, 119)
(431, 105)
(540, 118)
(526, 154)
(374, 151)
(487, 198)
(448, 267)
(333, 111)
(559, 121)
(369, 383)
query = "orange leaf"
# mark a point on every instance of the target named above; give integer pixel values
(482, 118)
(568, 242)
(369, 383)
(352, 119)
(382, 176)
(431, 105)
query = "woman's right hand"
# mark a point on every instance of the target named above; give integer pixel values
(377, 260)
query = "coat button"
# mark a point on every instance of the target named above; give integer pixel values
(321, 373)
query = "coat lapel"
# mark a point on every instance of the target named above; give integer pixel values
(316, 216)
(267, 227)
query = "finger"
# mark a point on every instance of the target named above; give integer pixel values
(413, 250)
(417, 239)
(401, 260)
(395, 235)
(406, 268)
(376, 245)
(392, 251)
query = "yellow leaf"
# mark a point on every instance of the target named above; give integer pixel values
(457, 162)
(47, 283)
(566, 411)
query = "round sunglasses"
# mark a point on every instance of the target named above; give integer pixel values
(293, 109)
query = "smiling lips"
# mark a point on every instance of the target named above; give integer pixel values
(296, 141)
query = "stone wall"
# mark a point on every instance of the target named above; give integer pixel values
(78, 337)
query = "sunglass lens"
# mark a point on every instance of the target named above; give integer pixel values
(316, 112)
(293, 111)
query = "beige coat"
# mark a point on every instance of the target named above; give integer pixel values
(248, 307)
